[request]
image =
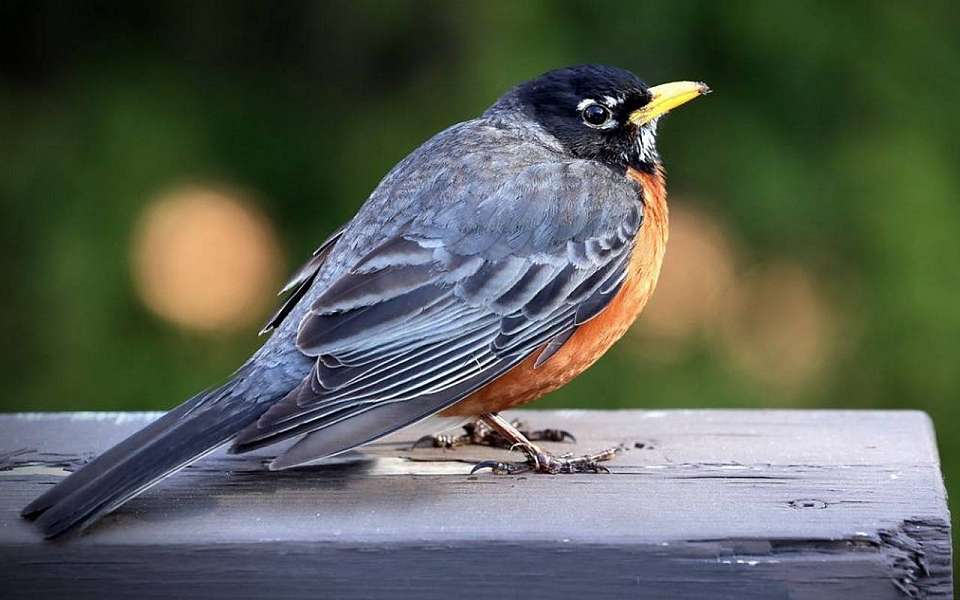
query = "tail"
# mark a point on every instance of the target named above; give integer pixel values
(196, 427)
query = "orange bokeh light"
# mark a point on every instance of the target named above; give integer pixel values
(773, 322)
(205, 259)
(782, 331)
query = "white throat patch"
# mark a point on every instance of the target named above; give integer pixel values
(647, 141)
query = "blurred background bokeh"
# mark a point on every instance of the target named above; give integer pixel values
(163, 166)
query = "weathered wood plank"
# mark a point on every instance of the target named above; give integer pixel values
(713, 504)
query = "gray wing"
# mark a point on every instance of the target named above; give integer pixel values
(457, 295)
(301, 281)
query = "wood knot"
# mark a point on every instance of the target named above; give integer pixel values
(807, 503)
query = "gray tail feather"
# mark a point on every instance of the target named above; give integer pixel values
(173, 441)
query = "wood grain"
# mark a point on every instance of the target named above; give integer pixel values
(702, 504)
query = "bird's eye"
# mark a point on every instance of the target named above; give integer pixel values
(595, 115)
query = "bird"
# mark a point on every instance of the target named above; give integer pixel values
(489, 267)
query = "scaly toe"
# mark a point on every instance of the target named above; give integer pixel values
(581, 464)
(440, 440)
(543, 462)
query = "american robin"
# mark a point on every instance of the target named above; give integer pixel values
(491, 266)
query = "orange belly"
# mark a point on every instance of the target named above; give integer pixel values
(524, 383)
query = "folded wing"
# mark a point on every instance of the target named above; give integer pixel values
(460, 293)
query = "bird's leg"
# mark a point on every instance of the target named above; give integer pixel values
(538, 459)
(479, 433)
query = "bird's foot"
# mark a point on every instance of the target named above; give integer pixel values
(540, 461)
(478, 433)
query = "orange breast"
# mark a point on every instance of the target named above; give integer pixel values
(523, 383)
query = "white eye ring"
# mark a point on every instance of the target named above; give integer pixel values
(595, 115)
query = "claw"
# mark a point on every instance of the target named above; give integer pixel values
(502, 468)
(487, 464)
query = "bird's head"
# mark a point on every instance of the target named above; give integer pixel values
(601, 113)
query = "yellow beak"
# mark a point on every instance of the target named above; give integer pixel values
(666, 97)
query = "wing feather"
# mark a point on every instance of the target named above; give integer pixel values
(453, 298)
(300, 282)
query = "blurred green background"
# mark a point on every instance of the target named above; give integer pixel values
(150, 152)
